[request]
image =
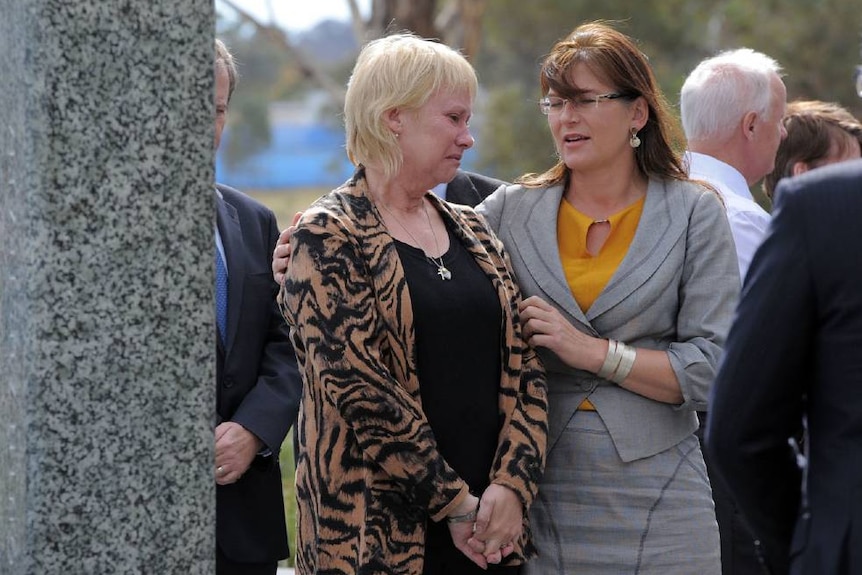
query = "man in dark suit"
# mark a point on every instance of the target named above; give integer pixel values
(259, 386)
(792, 375)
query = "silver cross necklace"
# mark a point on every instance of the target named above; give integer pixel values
(444, 273)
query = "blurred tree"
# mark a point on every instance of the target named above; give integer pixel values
(816, 41)
(512, 135)
(457, 23)
(270, 34)
(285, 69)
(250, 131)
(265, 73)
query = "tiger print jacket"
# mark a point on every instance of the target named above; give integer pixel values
(368, 475)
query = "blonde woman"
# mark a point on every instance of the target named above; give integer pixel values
(421, 397)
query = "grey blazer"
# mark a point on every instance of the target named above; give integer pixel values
(675, 290)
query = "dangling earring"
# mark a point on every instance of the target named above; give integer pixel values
(634, 141)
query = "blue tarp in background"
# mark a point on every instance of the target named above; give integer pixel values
(300, 156)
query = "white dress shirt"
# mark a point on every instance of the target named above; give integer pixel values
(748, 221)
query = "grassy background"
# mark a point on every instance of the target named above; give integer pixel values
(287, 472)
(285, 203)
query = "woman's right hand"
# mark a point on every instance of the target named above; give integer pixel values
(499, 524)
(544, 326)
(651, 374)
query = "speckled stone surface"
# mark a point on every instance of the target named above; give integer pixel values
(107, 357)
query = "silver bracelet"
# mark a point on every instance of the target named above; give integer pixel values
(628, 355)
(612, 359)
(471, 516)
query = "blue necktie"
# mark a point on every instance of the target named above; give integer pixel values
(221, 295)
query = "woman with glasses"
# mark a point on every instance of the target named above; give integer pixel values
(632, 278)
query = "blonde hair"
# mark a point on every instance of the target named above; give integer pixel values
(401, 71)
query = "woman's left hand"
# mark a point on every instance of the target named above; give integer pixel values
(499, 524)
(544, 326)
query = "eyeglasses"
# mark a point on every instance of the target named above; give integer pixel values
(551, 105)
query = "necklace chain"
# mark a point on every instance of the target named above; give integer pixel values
(437, 262)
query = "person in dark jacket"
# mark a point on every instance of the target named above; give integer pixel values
(259, 386)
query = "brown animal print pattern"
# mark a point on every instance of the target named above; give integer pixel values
(368, 475)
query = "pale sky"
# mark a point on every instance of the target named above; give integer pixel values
(297, 15)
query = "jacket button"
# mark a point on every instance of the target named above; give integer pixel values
(228, 382)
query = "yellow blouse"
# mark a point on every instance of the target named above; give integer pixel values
(587, 275)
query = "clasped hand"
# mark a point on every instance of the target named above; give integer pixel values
(499, 524)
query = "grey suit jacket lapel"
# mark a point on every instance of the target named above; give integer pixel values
(658, 231)
(536, 241)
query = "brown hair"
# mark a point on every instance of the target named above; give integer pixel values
(614, 57)
(812, 128)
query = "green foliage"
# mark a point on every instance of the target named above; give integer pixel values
(511, 127)
(816, 41)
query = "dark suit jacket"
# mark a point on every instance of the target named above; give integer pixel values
(259, 386)
(469, 189)
(794, 353)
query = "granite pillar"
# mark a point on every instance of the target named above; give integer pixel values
(106, 319)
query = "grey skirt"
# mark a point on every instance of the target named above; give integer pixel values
(597, 515)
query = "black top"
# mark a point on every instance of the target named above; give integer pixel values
(458, 330)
